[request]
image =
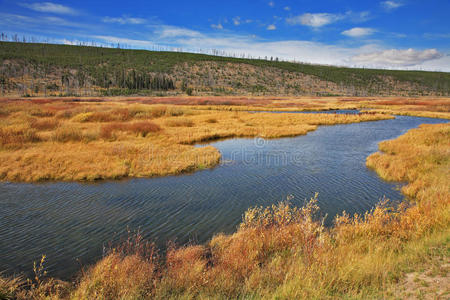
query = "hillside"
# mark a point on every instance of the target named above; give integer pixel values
(28, 69)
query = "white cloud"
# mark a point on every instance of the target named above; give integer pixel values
(399, 58)
(311, 52)
(173, 31)
(369, 55)
(391, 5)
(49, 7)
(271, 27)
(318, 20)
(314, 20)
(358, 32)
(237, 21)
(287, 8)
(124, 20)
(217, 26)
(271, 4)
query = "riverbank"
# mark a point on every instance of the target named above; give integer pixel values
(285, 252)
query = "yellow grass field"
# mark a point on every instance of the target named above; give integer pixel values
(68, 140)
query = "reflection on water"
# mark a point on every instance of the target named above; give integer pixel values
(72, 221)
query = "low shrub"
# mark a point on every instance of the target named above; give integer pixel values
(142, 128)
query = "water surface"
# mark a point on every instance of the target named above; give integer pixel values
(71, 222)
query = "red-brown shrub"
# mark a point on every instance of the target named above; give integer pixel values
(141, 128)
(15, 138)
(44, 124)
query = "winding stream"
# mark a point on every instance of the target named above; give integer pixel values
(71, 222)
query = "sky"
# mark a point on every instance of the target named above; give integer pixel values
(393, 34)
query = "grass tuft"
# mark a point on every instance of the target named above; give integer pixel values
(179, 122)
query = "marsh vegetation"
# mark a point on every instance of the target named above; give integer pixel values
(67, 140)
(280, 251)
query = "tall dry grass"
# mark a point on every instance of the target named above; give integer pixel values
(11, 138)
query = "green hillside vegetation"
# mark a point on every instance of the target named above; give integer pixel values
(49, 69)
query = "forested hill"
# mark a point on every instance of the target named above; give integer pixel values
(28, 69)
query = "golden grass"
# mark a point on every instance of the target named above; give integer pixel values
(60, 140)
(179, 122)
(283, 252)
(129, 271)
(421, 157)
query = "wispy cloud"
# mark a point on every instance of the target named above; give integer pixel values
(357, 32)
(358, 17)
(391, 4)
(49, 7)
(239, 21)
(394, 57)
(166, 31)
(37, 22)
(271, 4)
(437, 35)
(314, 20)
(287, 8)
(218, 26)
(317, 20)
(124, 20)
(271, 27)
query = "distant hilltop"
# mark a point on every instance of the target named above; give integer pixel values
(33, 69)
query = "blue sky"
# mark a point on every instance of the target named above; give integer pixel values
(397, 34)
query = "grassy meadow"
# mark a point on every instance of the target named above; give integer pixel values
(278, 252)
